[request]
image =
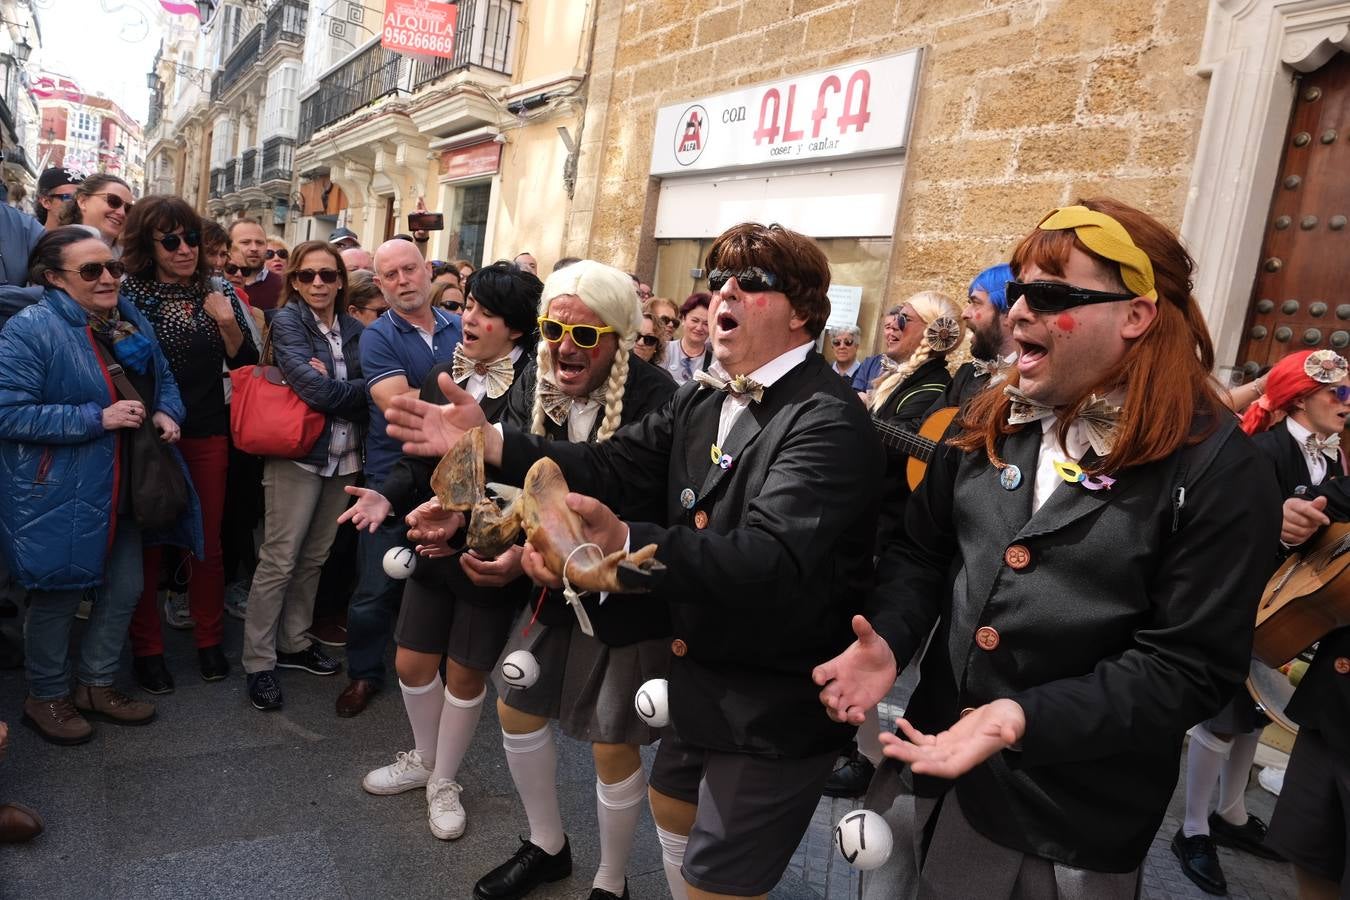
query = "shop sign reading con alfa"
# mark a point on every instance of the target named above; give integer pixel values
(850, 110)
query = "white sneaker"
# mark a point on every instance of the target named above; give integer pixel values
(405, 773)
(176, 612)
(445, 814)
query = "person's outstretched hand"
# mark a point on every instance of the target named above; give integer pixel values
(427, 429)
(856, 680)
(974, 738)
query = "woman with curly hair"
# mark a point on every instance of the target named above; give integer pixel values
(200, 327)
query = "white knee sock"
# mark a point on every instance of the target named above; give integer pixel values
(424, 714)
(672, 857)
(533, 761)
(459, 720)
(869, 737)
(1204, 760)
(1233, 778)
(617, 807)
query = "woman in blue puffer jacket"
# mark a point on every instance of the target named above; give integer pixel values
(65, 524)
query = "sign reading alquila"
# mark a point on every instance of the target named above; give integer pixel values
(849, 110)
(420, 26)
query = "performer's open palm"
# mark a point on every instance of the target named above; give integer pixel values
(857, 679)
(427, 429)
(974, 738)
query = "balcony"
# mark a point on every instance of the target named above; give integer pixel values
(483, 38)
(248, 169)
(218, 182)
(230, 182)
(278, 161)
(285, 22)
(369, 75)
(239, 62)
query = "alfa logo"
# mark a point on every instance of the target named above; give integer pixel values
(691, 135)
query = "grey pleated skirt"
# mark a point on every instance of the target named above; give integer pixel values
(961, 862)
(587, 686)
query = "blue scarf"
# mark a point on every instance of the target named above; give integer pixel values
(132, 349)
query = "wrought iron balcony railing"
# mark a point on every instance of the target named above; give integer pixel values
(248, 168)
(285, 22)
(483, 38)
(278, 160)
(240, 60)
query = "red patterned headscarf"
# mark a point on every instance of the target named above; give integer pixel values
(1290, 380)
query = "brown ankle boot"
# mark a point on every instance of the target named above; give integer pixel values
(112, 705)
(58, 721)
(18, 823)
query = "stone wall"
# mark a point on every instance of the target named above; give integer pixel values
(1023, 105)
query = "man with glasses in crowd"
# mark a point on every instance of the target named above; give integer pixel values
(1090, 546)
(56, 188)
(766, 467)
(844, 341)
(397, 351)
(262, 284)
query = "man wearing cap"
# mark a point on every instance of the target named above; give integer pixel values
(56, 188)
(766, 467)
(1090, 545)
(344, 239)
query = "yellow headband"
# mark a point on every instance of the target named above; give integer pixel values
(1107, 238)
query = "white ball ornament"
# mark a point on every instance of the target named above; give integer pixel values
(864, 839)
(653, 702)
(520, 669)
(399, 562)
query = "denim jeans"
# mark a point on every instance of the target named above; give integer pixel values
(51, 614)
(371, 613)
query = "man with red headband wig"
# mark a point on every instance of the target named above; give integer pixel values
(1090, 547)
(1296, 424)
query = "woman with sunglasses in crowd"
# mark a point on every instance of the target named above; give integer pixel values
(365, 300)
(691, 352)
(201, 325)
(447, 296)
(67, 523)
(103, 202)
(649, 347)
(316, 346)
(276, 256)
(844, 342)
(666, 315)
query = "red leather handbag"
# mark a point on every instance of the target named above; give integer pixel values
(267, 418)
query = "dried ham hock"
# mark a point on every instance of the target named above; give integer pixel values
(541, 509)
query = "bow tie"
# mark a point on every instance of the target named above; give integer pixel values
(1327, 446)
(557, 404)
(995, 366)
(740, 386)
(498, 374)
(1098, 417)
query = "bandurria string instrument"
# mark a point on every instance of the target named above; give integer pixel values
(919, 445)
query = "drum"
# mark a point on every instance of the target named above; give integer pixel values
(1272, 689)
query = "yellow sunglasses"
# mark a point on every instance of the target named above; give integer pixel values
(584, 336)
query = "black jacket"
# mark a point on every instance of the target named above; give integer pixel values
(1128, 622)
(766, 590)
(906, 408)
(296, 340)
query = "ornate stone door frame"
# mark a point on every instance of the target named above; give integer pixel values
(1251, 50)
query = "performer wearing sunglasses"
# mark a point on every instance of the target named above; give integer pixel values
(1090, 548)
(1312, 390)
(765, 469)
(201, 329)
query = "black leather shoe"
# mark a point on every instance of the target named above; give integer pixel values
(1200, 862)
(528, 868)
(851, 778)
(212, 663)
(263, 690)
(152, 675)
(1249, 836)
(602, 894)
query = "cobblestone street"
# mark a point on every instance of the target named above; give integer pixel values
(217, 800)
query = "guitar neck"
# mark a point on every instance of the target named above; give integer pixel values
(920, 448)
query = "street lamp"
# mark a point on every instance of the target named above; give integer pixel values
(22, 50)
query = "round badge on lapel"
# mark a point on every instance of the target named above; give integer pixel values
(701, 519)
(1342, 665)
(1010, 478)
(687, 498)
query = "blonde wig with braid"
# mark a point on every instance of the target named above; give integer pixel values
(930, 305)
(608, 293)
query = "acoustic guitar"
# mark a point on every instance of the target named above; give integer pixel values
(1306, 599)
(919, 445)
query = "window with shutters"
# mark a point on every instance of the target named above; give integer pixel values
(279, 115)
(222, 141)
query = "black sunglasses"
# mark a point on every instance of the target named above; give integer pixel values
(669, 322)
(901, 320)
(94, 271)
(307, 276)
(232, 269)
(1055, 296)
(842, 342)
(63, 197)
(278, 254)
(752, 280)
(453, 306)
(377, 310)
(648, 340)
(172, 242)
(114, 201)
